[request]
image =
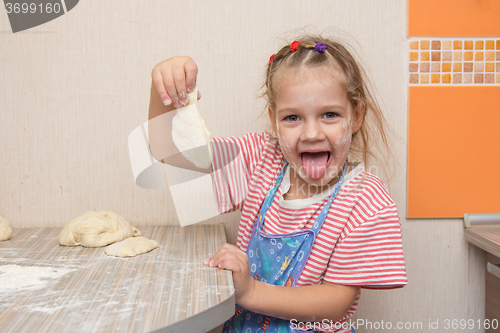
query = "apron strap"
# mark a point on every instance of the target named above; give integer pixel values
(268, 201)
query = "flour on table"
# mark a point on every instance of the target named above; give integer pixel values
(131, 247)
(5, 230)
(190, 132)
(16, 278)
(95, 229)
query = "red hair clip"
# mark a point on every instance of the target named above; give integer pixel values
(294, 46)
(272, 58)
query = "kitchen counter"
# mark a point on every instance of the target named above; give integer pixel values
(84, 290)
(485, 237)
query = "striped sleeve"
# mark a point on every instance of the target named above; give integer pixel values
(371, 254)
(234, 162)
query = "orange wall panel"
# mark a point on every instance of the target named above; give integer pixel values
(453, 151)
(453, 18)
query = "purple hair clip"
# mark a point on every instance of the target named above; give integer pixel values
(320, 47)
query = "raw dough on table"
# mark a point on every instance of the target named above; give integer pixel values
(5, 229)
(95, 229)
(131, 247)
(187, 134)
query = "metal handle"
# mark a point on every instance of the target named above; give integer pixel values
(493, 269)
(484, 219)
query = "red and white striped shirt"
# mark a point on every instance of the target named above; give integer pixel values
(360, 240)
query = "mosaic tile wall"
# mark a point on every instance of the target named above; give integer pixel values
(453, 61)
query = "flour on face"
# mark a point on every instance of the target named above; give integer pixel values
(314, 118)
(345, 140)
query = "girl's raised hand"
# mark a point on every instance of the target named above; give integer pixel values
(174, 78)
(233, 259)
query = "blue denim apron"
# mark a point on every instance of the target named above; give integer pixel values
(276, 259)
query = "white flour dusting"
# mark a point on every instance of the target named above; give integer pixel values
(15, 278)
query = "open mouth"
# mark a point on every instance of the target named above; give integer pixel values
(315, 163)
(318, 155)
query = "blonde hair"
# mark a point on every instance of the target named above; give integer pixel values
(371, 140)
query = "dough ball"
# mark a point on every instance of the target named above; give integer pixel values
(131, 247)
(95, 229)
(190, 132)
(5, 229)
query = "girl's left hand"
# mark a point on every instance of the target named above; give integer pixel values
(231, 258)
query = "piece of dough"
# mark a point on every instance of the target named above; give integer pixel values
(131, 247)
(95, 229)
(189, 132)
(5, 229)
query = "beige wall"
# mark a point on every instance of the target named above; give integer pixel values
(73, 89)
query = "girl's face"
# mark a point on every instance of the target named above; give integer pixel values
(314, 121)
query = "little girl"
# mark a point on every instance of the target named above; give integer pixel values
(315, 226)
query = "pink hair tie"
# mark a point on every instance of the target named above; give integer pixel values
(294, 46)
(272, 58)
(320, 47)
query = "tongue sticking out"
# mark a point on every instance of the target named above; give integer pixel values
(314, 164)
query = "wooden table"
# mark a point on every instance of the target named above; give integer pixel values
(166, 290)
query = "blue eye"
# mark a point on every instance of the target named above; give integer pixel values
(292, 118)
(330, 115)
